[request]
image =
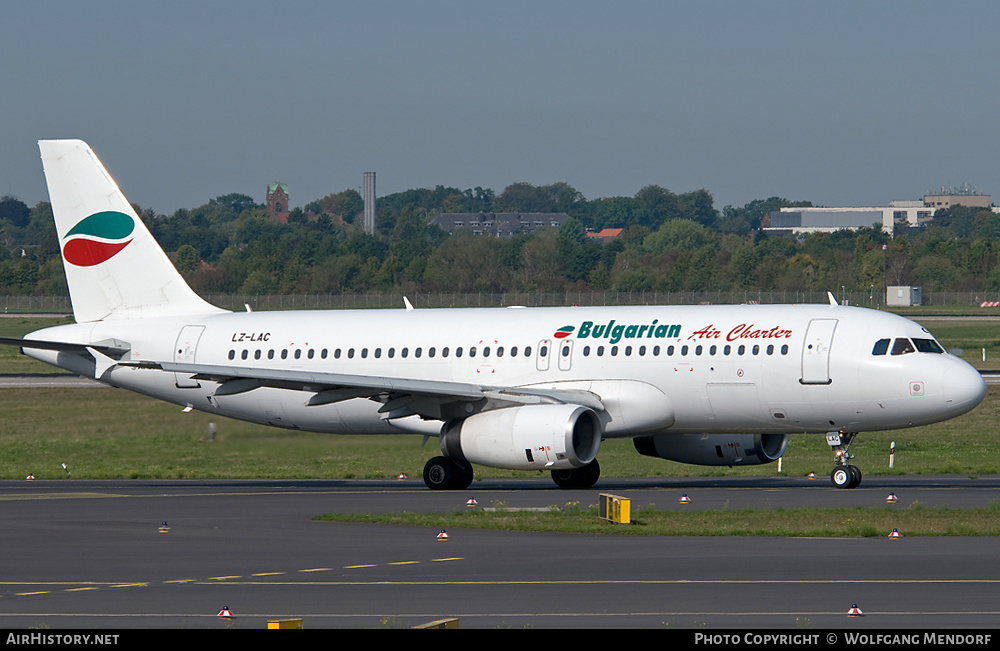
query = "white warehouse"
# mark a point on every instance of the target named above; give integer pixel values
(811, 220)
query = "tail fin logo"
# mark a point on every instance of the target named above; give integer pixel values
(98, 238)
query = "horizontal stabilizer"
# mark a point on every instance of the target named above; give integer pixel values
(62, 346)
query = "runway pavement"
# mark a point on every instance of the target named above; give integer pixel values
(88, 554)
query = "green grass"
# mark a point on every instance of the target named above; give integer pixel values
(11, 359)
(914, 520)
(104, 433)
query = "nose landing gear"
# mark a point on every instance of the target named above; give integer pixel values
(844, 475)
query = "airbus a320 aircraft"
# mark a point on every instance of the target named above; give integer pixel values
(525, 389)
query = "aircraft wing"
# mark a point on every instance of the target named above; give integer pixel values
(435, 399)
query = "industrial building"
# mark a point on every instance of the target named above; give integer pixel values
(898, 214)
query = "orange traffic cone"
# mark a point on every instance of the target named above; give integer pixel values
(443, 535)
(472, 502)
(684, 499)
(895, 534)
(854, 611)
(891, 498)
(225, 613)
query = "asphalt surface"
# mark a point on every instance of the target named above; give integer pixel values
(88, 554)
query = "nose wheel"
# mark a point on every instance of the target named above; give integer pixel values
(844, 475)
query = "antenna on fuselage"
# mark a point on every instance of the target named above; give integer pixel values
(833, 299)
(406, 302)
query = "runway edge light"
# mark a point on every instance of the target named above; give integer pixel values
(854, 611)
(443, 535)
(225, 613)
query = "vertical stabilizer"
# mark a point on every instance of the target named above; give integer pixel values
(114, 267)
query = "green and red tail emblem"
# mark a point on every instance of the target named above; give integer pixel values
(564, 332)
(98, 238)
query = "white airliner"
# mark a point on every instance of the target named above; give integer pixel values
(526, 389)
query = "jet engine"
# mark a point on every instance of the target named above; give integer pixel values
(532, 437)
(714, 449)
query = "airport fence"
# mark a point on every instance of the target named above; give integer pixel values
(15, 304)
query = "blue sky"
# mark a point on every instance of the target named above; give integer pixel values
(839, 103)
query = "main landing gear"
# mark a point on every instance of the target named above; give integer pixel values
(442, 473)
(584, 477)
(844, 475)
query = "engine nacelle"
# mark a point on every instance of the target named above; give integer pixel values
(532, 437)
(714, 449)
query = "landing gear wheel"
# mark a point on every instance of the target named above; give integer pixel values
(442, 473)
(842, 477)
(846, 477)
(584, 477)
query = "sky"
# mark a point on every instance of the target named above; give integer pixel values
(839, 103)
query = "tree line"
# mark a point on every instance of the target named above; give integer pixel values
(670, 242)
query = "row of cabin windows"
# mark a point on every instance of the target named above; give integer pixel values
(513, 351)
(363, 353)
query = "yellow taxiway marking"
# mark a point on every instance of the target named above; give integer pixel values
(267, 574)
(442, 560)
(225, 578)
(25, 594)
(356, 567)
(317, 569)
(81, 589)
(405, 563)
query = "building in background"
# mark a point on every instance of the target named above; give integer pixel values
(898, 214)
(963, 195)
(605, 235)
(277, 202)
(499, 224)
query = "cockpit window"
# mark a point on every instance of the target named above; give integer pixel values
(881, 347)
(927, 346)
(902, 347)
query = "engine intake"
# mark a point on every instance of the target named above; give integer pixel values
(532, 437)
(714, 449)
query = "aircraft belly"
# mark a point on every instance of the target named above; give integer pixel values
(737, 403)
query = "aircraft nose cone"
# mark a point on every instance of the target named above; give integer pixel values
(964, 387)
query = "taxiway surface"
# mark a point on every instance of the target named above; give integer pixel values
(88, 554)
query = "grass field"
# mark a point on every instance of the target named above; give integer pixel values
(106, 433)
(914, 520)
